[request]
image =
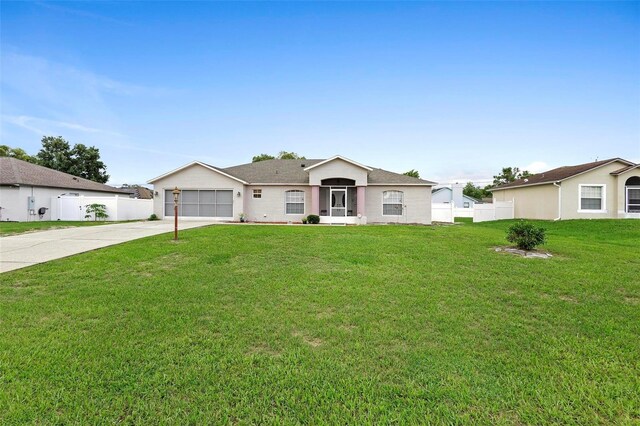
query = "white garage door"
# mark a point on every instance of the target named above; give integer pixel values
(201, 203)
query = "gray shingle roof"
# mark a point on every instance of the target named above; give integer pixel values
(18, 172)
(292, 171)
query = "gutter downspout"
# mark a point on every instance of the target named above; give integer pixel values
(559, 201)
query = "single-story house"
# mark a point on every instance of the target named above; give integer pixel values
(601, 189)
(26, 189)
(337, 189)
(453, 194)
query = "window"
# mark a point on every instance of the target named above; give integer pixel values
(592, 198)
(392, 203)
(465, 204)
(257, 193)
(294, 202)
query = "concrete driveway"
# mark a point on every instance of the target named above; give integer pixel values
(20, 251)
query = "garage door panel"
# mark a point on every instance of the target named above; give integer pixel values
(224, 210)
(224, 197)
(207, 210)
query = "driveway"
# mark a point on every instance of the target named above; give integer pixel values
(20, 251)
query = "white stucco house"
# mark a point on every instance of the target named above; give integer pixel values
(337, 189)
(605, 189)
(27, 190)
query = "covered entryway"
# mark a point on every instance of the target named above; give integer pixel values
(203, 203)
(338, 201)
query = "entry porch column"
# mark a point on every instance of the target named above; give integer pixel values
(315, 200)
(360, 200)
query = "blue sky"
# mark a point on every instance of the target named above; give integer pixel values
(454, 90)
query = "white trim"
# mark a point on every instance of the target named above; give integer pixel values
(304, 202)
(338, 157)
(603, 199)
(200, 164)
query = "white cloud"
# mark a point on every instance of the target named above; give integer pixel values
(44, 126)
(536, 167)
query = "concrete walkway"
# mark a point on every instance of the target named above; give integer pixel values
(20, 251)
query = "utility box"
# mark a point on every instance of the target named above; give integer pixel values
(31, 202)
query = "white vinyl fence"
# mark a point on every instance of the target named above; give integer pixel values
(498, 210)
(447, 212)
(118, 208)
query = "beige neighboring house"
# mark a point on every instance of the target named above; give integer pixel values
(337, 189)
(27, 190)
(598, 190)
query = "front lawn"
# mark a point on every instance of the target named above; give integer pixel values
(340, 325)
(12, 228)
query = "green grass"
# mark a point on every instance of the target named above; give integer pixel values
(13, 228)
(341, 325)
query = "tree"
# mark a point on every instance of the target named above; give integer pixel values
(262, 157)
(470, 190)
(282, 155)
(412, 173)
(86, 163)
(508, 175)
(19, 153)
(81, 161)
(55, 153)
(99, 211)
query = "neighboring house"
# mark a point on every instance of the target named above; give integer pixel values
(139, 192)
(602, 189)
(453, 194)
(339, 190)
(26, 189)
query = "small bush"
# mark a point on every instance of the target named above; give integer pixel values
(526, 236)
(154, 217)
(304, 220)
(313, 219)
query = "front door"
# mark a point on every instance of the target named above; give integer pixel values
(338, 202)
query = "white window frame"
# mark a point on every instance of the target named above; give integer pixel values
(604, 198)
(626, 196)
(288, 202)
(257, 192)
(401, 203)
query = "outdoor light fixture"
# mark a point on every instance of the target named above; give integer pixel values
(239, 194)
(176, 194)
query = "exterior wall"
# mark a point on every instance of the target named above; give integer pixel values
(338, 169)
(533, 202)
(271, 207)
(417, 201)
(571, 193)
(622, 192)
(197, 177)
(13, 201)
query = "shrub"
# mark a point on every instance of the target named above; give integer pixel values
(154, 217)
(526, 236)
(99, 211)
(304, 220)
(313, 219)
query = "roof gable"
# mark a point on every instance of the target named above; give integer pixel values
(339, 157)
(199, 163)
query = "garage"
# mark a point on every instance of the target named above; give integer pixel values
(208, 203)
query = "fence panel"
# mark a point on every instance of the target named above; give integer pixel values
(117, 208)
(442, 212)
(497, 210)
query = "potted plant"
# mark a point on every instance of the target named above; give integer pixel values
(243, 218)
